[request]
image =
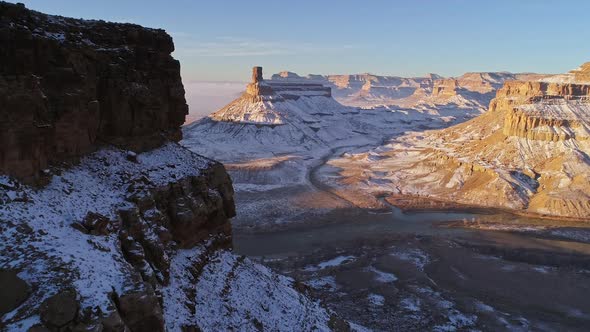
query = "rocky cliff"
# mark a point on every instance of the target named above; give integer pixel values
(528, 152)
(68, 85)
(544, 110)
(110, 239)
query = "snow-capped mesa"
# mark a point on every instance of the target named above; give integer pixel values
(364, 89)
(277, 117)
(290, 114)
(528, 152)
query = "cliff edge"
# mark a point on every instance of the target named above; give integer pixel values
(69, 85)
(122, 229)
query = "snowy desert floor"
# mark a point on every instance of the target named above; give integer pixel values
(387, 270)
(384, 269)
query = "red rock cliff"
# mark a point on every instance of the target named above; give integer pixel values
(67, 85)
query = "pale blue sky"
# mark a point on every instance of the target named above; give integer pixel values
(221, 40)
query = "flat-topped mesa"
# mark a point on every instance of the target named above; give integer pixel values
(480, 82)
(286, 75)
(297, 90)
(268, 102)
(278, 89)
(445, 87)
(549, 109)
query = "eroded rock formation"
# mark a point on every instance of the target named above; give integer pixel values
(255, 105)
(544, 110)
(528, 152)
(68, 85)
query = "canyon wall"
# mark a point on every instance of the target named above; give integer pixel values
(528, 152)
(75, 96)
(547, 111)
(68, 85)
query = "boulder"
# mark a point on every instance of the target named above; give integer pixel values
(141, 311)
(97, 224)
(60, 309)
(14, 291)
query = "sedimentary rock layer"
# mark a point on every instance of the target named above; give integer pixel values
(67, 85)
(528, 152)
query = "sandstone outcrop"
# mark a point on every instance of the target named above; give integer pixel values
(255, 105)
(544, 110)
(580, 75)
(445, 88)
(68, 85)
(528, 153)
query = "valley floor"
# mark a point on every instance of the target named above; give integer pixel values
(431, 270)
(384, 269)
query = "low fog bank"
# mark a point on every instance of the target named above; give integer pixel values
(204, 98)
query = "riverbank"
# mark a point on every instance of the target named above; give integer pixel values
(416, 271)
(418, 203)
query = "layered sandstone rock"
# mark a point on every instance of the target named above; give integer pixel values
(256, 104)
(483, 83)
(544, 110)
(67, 85)
(445, 88)
(528, 152)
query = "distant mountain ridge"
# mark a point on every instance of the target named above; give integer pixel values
(291, 114)
(474, 89)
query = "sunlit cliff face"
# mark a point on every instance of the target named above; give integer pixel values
(528, 153)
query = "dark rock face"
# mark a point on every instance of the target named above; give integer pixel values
(181, 214)
(67, 85)
(256, 74)
(141, 311)
(14, 291)
(60, 309)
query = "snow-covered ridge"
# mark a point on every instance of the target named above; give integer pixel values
(233, 293)
(103, 229)
(580, 75)
(45, 239)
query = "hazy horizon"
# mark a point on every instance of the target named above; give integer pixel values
(222, 41)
